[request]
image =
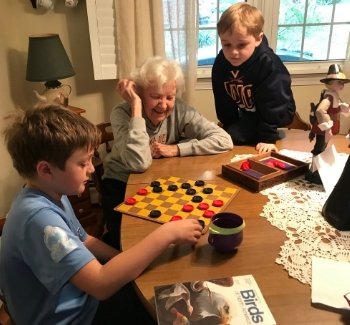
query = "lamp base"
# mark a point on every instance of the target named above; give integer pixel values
(53, 96)
(53, 84)
(47, 4)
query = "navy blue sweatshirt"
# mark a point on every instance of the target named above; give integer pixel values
(261, 85)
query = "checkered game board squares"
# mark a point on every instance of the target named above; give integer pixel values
(170, 203)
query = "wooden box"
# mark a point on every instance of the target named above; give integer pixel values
(265, 170)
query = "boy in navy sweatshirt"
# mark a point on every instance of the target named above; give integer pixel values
(252, 87)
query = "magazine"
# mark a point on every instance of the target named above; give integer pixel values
(234, 300)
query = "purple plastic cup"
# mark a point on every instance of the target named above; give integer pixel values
(226, 231)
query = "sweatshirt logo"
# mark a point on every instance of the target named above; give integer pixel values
(160, 138)
(240, 93)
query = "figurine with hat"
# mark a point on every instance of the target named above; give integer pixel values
(325, 116)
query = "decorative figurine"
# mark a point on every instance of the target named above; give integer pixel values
(325, 116)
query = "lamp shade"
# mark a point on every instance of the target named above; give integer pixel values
(47, 59)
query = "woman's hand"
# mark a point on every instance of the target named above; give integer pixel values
(159, 150)
(127, 89)
(262, 147)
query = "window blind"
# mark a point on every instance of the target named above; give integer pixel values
(101, 20)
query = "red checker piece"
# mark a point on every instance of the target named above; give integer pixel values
(130, 201)
(175, 218)
(142, 191)
(245, 165)
(203, 206)
(208, 214)
(187, 208)
(218, 203)
(279, 164)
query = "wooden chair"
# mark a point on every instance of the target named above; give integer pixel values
(5, 318)
(298, 123)
(106, 135)
(106, 139)
(104, 148)
(2, 223)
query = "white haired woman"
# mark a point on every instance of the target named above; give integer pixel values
(153, 122)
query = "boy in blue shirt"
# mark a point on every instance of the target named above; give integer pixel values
(51, 270)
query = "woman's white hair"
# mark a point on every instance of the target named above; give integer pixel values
(156, 71)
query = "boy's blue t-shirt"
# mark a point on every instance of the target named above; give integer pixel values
(42, 248)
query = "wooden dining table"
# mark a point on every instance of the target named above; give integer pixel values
(288, 299)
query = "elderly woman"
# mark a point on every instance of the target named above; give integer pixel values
(153, 122)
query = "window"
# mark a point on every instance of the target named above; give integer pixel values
(305, 33)
(208, 41)
(313, 30)
(308, 31)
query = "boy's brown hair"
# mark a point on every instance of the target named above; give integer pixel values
(52, 134)
(241, 15)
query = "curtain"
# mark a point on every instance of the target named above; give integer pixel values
(181, 21)
(347, 60)
(140, 34)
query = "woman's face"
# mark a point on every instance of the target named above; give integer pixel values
(159, 104)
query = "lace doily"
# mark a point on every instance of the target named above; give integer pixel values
(295, 207)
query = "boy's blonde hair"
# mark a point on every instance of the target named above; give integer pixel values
(52, 134)
(156, 71)
(241, 15)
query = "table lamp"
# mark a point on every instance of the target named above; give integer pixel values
(48, 62)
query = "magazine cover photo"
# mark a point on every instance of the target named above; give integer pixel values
(224, 301)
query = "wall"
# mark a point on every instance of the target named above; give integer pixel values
(18, 21)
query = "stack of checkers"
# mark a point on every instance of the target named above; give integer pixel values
(174, 198)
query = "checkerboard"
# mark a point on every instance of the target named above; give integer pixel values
(171, 203)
